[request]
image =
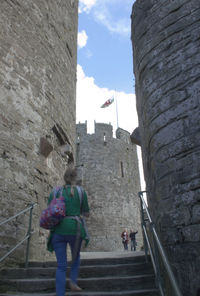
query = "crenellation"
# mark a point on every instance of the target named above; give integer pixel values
(81, 130)
(103, 131)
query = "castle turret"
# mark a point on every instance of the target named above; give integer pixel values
(37, 102)
(166, 50)
(109, 171)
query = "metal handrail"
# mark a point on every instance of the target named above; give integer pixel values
(27, 237)
(159, 247)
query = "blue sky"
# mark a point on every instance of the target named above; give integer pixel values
(105, 64)
(108, 54)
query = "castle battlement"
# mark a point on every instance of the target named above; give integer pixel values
(81, 129)
(103, 131)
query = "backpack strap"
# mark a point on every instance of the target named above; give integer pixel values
(80, 194)
(56, 191)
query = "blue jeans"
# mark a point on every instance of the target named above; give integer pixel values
(59, 243)
(133, 245)
(125, 243)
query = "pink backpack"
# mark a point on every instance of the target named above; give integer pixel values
(55, 212)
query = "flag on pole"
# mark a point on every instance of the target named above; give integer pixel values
(108, 102)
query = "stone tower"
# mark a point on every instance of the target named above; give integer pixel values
(166, 49)
(108, 168)
(38, 58)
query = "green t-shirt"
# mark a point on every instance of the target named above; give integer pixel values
(67, 225)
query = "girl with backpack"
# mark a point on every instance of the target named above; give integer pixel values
(70, 231)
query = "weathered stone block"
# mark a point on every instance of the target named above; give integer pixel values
(196, 214)
(191, 233)
(135, 137)
(45, 147)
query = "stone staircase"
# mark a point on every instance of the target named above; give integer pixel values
(98, 276)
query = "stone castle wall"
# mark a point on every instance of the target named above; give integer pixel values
(38, 57)
(108, 168)
(166, 50)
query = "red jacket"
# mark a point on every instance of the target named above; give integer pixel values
(124, 236)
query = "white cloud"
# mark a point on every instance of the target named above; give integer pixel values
(82, 39)
(90, 97)
(109, 14)
(86, 5)
(119, 26)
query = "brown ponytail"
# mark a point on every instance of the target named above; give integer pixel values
(70, 178)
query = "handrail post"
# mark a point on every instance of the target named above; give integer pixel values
(143, 225)
(29, 236)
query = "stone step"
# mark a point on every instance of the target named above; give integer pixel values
(98, 276)
(141, 292)
(85, 271)
(94, 261)
(108, 283)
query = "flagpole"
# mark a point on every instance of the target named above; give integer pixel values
(116, 111)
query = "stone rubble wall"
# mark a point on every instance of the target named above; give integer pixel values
(113, 199)
(38, 57)
(166, 53)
